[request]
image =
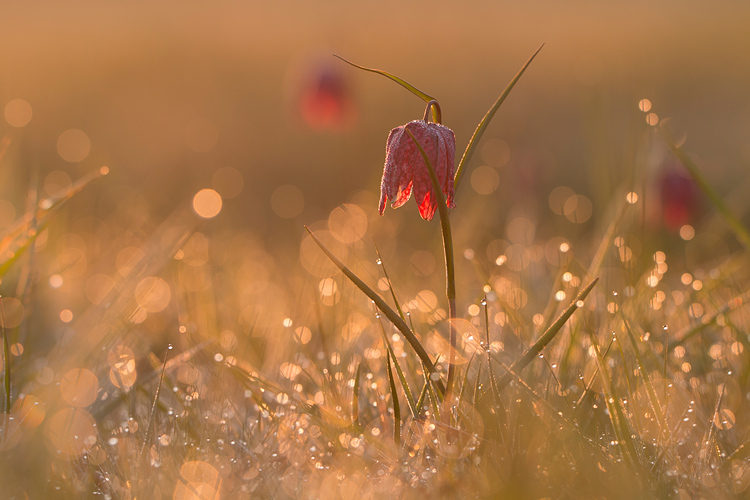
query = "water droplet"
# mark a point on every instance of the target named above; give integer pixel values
(379, 262)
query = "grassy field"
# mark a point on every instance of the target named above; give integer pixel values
(200, 299)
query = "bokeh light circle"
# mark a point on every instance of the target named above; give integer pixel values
(79, 387)
(18, 113)
(485, 180)
(347, 223)
(71, 432)
(73, 145)
(152, 294)
(207, 203)
(287, 201)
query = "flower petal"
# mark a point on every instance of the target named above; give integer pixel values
(405, 170)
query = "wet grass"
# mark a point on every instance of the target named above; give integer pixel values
(597, 353)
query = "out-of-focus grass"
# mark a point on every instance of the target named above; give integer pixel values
(153, 353)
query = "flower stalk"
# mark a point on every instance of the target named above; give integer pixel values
(450, 279)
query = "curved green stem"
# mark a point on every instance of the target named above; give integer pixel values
(437, 115)
(450, 279)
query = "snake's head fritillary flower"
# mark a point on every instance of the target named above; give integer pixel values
(405, 170)
(325, 102)
(679, 198)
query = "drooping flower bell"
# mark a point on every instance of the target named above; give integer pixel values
(680, 201)
(405, 169)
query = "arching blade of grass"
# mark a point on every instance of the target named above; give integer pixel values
(545, 339)
(486, 121)
(390, 285)
(408, 86)
(392, 315)
(739, 229)
(400, 373)
(396, 406)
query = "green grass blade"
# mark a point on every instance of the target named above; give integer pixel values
(493, 381)
(152, 414)
(6, 356)
(477, 382)
(392, 315)
(400, 373)
(355, 399)
(739, 229)
(469, 152)
(408, 86)
(396, 406)
(652, 399)
(588, 385)
(465, 381)
(390, 285)
(619, 425)
(433, 397)
(545, 338)
(422, 395)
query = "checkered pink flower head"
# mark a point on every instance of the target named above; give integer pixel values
(405, 170)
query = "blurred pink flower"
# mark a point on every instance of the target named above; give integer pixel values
(405, 169)
(325, 102)
(680, 198)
